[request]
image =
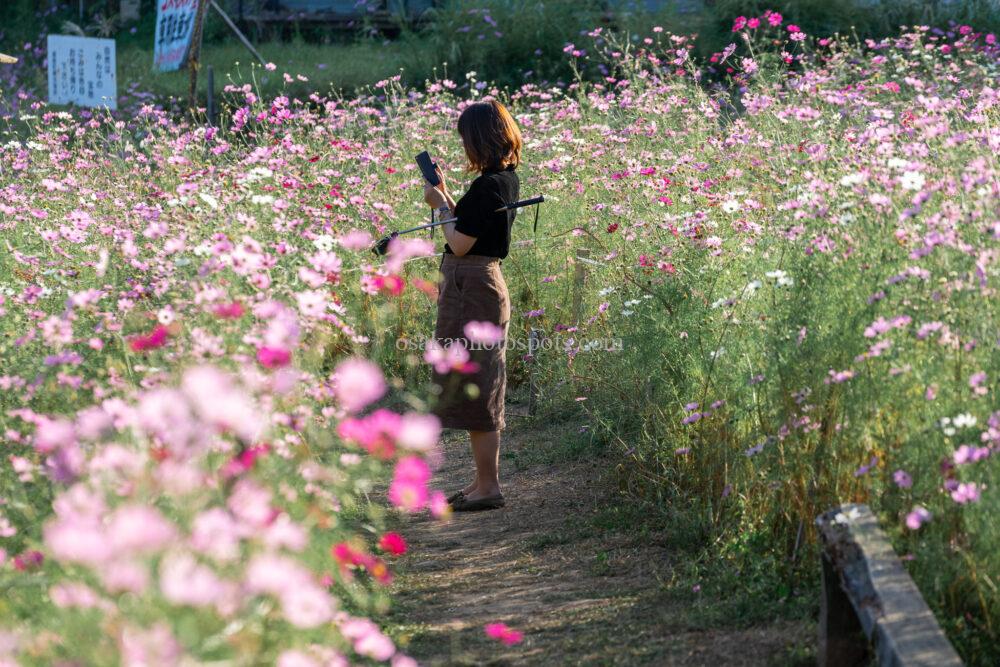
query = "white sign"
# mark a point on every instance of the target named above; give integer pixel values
(82, 70)
(174, 30)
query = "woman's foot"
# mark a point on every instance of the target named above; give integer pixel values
(481, 492)
(464, 504)
(461, 494)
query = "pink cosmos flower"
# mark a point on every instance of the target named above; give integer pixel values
(917, 517)
(136, 529)
(408, 490)
(156, 338)
(902, 479)
(376, 432)
(393, 543)
(367, 639)
(501, 632)
(454, 357)
(358, 382)
(438, 505)
(966, 492)
(976, 382)
(154, 646)
(295, 658)
(306, 606)
(419, 432)
(484, 332)
(273, 357)
(185, 581)
(229, 311)
(356, 239)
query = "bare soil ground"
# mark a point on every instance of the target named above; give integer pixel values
(582, 588)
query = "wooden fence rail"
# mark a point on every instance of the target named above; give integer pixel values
(871, 608)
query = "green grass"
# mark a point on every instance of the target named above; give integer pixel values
(341, 67)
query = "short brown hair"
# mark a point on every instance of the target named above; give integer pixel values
(491, 137)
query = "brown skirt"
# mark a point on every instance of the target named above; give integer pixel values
(472, 288)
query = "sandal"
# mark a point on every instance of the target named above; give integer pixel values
(491, 503)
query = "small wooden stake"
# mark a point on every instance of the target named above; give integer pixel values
(534, 342)
(195, 54)
(579, 277)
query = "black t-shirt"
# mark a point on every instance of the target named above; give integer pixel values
(476, 212)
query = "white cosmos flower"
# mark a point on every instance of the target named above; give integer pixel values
(324, 242)
(212, 202)
(731, 206)
(777, 273)
(912, 180)
(262, 199)
(852, 179)
(753, 286)
(897, 163)
(964, 420)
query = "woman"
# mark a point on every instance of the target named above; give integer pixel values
(472, 289)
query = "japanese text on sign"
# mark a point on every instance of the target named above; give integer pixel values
(174, 27)
(82, 70)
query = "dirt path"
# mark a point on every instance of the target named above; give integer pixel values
(562, 565)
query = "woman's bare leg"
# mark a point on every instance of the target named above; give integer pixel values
(486, 453)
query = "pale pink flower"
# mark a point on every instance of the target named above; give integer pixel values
(273, 573)
(250, 503)
(75, 541)
(306, 606)
(484, 332)
(408, 490)
(124, 576)
(220, 403)
(358, 382)
(917, 517)
(144, 648)
(185, 581)
(72, 594)
(966, 492)
(355, 239)
(367, 639)
(135, 529)
(419, 432)
(294, 658)
(215, 533)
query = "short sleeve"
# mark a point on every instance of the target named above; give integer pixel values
(477, 207)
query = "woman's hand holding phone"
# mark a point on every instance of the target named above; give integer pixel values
(437, 196)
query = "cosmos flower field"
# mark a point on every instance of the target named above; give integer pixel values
(213, 395)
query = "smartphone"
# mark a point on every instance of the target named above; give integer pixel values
(427, 168)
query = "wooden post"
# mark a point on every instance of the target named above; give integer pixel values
(534, 343)
(863, 577)
(579, 278)
(194, 57)
(210, 110)
(842, 641)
